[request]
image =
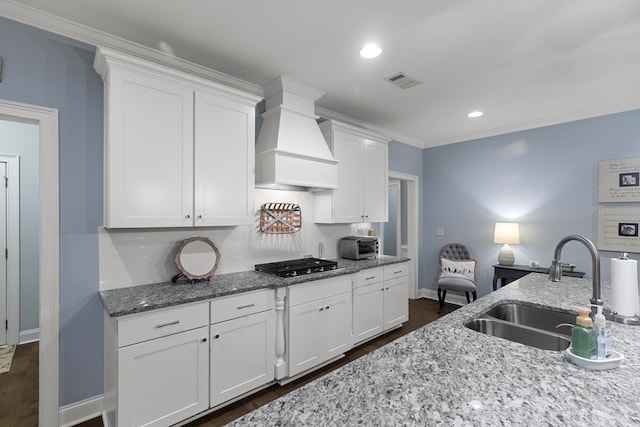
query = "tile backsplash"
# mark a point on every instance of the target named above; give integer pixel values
(131, 257)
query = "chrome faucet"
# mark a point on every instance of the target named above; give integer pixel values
(555, 271)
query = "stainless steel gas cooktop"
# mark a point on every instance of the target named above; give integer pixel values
(297, 267)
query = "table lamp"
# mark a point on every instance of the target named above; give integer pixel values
(506, 233)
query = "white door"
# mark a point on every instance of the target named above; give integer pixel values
(396, 302)
(375, 174)
(224, 161)
(305, 336)
(367, 311)
(3, 259)
(242, 355)
(348, 197)
(165, 380)
(149, 150)
(337, 325)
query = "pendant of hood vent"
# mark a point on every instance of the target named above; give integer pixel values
(291, 153)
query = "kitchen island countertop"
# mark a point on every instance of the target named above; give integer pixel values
(446, 374)
(138, 299)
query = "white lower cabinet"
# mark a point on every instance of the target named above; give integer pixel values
(243, 349)
(165, 380)
(319, 322)
(157, 366)
(165, 366)
(380, 300)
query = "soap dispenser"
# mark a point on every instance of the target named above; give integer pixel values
(583, 339)
(602, 333)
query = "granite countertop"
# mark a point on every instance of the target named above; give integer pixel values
(137, 299)
(447, 374)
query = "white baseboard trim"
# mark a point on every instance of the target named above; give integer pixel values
(84, 410)
(30, 335)
(453, 298)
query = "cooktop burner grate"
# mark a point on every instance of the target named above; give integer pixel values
(297, 267)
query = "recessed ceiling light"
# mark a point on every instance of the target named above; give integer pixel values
(370, 51)
(474, 114)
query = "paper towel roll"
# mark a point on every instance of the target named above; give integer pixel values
(624, 286)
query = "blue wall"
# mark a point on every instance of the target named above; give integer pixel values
(47, 70)
(409, 159)
(546, 179)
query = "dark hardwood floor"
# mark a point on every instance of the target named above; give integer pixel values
(19, 387)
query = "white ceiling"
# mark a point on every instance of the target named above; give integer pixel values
(525, 63)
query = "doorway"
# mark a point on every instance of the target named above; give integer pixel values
(10, 243)
(48, 250)
(403, 227)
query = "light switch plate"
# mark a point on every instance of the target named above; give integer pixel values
(439, 231)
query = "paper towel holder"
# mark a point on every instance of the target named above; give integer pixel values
(610, 315)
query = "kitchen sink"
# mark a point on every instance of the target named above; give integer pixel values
(534, 317)
(521, 334)
(524, 324)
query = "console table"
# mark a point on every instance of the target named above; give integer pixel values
(508, 273)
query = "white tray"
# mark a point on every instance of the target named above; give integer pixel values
(613, 361)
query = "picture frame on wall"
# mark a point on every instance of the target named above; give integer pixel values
(618, 229)
(619, 180)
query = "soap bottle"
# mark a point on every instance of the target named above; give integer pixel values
(583, 339)
(602, 333)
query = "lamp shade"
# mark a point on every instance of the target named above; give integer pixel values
(507, 232)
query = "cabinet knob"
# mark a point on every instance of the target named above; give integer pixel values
(187, 216)
(203, 340)
(199, 216)
(387, 288)
(321, 309)
(216, 336)
(327, 308)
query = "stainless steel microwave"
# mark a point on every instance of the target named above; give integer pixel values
(358, 247)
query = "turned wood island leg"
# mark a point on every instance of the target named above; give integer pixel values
(281, 364)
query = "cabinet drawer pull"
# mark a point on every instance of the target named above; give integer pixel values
(162, 325)
(397, 272)
(369, 278)
(240, 307)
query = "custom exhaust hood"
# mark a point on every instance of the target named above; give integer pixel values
(291, 153)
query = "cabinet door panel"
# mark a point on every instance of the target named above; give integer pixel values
(165, 380)
(337, 325)
(348, 197)
(375, 173)
(224, 161)
(242, 355)
(396, 302)
(305, 337)
(149, 160)
(367, 311)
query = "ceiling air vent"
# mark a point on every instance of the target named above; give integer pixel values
(402, 80)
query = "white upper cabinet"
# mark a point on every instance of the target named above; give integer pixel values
(362, 192)
(179, 149)
(224, 161)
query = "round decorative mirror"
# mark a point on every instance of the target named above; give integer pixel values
(197, 259)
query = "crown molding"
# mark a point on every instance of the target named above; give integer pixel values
(54, 24)
(325, 113)
(603, 110)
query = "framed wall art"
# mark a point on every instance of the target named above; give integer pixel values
(618, 229)
(619, 180)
